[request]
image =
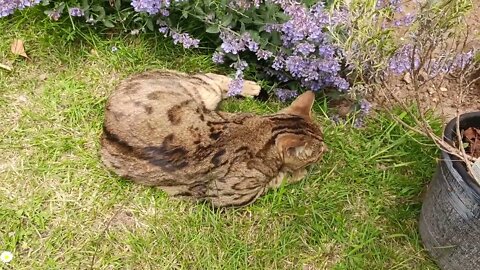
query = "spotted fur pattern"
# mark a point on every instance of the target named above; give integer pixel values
(161, 129)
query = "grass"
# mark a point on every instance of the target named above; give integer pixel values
(61, 209)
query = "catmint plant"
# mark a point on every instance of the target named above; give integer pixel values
(7, 7)
(280, 40)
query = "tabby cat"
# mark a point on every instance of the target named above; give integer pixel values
(161, 129)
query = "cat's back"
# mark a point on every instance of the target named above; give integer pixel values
(149, 106)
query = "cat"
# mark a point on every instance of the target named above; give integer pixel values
(161, 129)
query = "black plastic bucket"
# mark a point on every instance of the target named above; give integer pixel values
(450, 216)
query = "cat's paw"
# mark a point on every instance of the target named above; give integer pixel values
(277, 180)
(250, 89)
(297, 176)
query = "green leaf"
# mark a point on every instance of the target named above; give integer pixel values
(118, 4)
(282, 16)
(213, 29)
(61, 7)
(246, 20)
(199, 10)
(242, 27)
(85, 5)
(150, 25)
(275, 38)
(226, 20)
(254, 34)
(100, 10)
(108, 23)
(185, 13)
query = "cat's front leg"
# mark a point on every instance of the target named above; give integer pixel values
(290, 177)
(249, 88)
(277, 181)
(297, 175)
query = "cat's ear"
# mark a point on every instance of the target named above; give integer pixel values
(302, 105)
(293, 145)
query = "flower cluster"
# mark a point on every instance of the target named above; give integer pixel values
(152, 7)
(450, 63)
(76, 12)
(401, 61)
(285, 94)
(7, 7)
(236, 85)
(305, 53)
(179, 38)
(393, 4)
(244, 4)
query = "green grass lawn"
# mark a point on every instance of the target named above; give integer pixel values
(61, 209)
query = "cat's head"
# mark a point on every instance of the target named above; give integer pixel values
(301, 143)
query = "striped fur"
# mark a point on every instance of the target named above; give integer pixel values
(161, 129)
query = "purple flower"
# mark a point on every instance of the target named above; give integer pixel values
(232, 43)
(185, 39)
(152, 7)
(164, 12)
(341, 83)
(244, 4)
(285, 94)
(365, 106)
(281, 76)
(53, 14)
(463, 59)
(76, 12)
(296, 65)
(7, 7)
(249, 42)
(218, 57)
(305, 48)
(326, 51)
(448, 64)
(393, 4)
(336, 119)
(272, 27)
(240, 65)
(252, 45)
(402, 59)
(236, 85)
(263, 54)
(278, 62)
(358, 123)
(406, 20)
(164, 30)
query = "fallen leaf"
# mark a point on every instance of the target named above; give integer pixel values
(472, 135)
(7, 67)
(18, 48)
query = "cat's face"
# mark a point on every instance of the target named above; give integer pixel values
(304, 144)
